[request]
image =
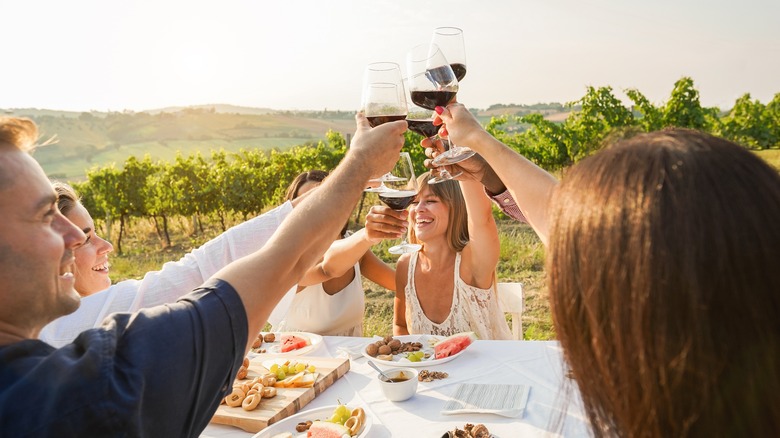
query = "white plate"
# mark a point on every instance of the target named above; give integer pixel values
(400, 360)
(313, 339)
(323, 413)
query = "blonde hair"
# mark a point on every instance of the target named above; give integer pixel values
(67, 198)
(18, 132)
(450, 194)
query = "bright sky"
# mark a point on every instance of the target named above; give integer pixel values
(309, 54)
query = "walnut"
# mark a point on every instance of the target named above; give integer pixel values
(372, 350)
(269, 337)
(387, 339)
(385, 350)
(480, 431)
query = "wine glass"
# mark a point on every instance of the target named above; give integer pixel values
(420, 120)
(432, 83)
(399, 193)
(383, 100)
(450, 41)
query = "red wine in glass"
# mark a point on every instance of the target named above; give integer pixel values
(430, 99)
(423, 127)
(375, 121)
(460, 70)
(397, 199)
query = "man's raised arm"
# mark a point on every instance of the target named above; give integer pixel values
(262, 278)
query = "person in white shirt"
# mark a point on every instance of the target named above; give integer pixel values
(174, 280)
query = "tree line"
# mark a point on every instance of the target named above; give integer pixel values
(245, 183)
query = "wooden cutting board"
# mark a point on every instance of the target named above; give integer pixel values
(288, 400)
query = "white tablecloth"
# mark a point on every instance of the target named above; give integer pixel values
(549, 412)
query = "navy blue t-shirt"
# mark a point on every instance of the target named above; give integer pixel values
(158, 372)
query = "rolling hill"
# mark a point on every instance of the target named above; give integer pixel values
(88, 139)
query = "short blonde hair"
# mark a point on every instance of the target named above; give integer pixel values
(18, 132)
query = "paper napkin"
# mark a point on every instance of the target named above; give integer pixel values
(475, 398)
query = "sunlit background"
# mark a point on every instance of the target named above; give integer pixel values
(103, 55)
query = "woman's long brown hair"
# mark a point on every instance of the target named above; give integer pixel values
(664, 275)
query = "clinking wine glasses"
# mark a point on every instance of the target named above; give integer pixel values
(450, 41)
(383, 100)
(399, 193)
(432, 83)
(420, 120)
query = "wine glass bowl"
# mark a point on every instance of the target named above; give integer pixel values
(399, 193)
(450, 41)
(383, 100)
(432, 82)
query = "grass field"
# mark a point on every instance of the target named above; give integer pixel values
(522, 259)
(771, 156)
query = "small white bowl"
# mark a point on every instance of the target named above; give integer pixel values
(399, 391)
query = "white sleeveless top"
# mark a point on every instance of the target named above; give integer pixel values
(473, 309)
(340, 314)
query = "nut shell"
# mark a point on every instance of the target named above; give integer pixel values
(385, 350)
(372, 350)
(269, 337)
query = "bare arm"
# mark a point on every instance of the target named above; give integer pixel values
(480, 256)
(309, 230)
(529, 185)
(377, 271)
(339, 258)
(399, 302)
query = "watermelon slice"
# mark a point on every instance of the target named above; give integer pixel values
(326, 429)
(453, 345)
(292, 342)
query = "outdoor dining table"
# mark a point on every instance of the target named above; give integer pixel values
(551, 409)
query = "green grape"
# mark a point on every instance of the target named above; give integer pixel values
(285, 368)
(300, 367)
(335, 418)
(413, 357)
(343, 413)
(311, 369)
(274, 368)
(280, 374)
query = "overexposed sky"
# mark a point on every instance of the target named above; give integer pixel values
(309, 54)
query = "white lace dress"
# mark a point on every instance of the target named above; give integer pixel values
(473, 309)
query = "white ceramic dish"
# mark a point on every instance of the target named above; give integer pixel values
(314, 340)
(400, 360)
(399, 391)
(323, 413)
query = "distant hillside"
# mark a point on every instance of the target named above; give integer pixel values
(88, 139)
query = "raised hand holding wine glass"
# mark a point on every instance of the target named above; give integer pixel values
(399, 193)
(432, 83)
(383, 100)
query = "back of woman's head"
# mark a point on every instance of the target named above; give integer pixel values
(665, 287)
(450, 194)
(316, 176)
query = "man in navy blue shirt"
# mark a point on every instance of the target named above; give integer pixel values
(161, 371)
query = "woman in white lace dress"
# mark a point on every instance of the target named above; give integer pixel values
(449, 286)
(330, 299)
